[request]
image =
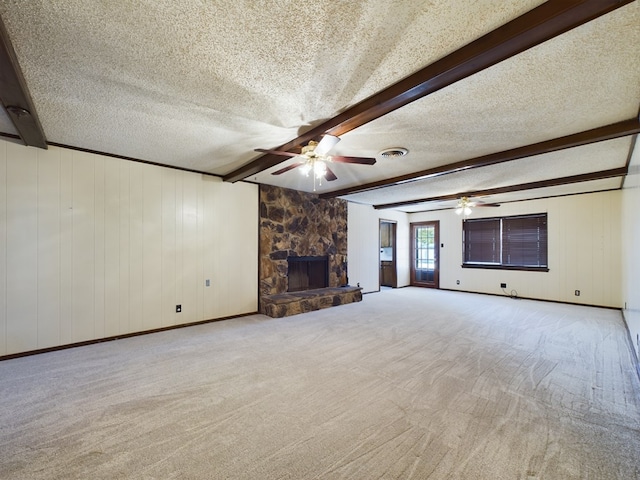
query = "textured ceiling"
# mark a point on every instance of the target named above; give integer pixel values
(537, 193)
(565, 163)
(199, 85)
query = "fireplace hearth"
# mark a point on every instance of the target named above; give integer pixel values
(307, 273)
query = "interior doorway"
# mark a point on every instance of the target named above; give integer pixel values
(388, 272)
(425, 238)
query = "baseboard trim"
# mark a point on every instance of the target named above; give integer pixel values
(517, 297)
(118, 337)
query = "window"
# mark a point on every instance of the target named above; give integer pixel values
(518, 242)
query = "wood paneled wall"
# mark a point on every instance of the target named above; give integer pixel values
(94, 247)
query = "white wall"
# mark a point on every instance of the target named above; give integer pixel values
(363, 229)
(631, 248)
(584, 251)
(93, 247)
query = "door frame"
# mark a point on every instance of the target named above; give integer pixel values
(436, 240)
(394, 243)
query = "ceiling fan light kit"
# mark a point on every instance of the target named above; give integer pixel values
(313, 158)
(464, 207)
(318, 167)
(465, 210)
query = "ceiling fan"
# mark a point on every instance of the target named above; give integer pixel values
(464, 206)
(314, 158)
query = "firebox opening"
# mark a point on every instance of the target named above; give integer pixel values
(307, 273)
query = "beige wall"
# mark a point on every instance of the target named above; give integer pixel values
(363, 242)
(631, 249)
(93, 247)
(584, 251)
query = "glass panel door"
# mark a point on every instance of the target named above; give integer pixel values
(424, 253)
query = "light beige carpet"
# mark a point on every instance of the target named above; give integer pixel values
(409, 383)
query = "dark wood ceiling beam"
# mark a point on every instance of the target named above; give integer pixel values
(15, 95)
(585, 177)
(544, 22)
(608, 132)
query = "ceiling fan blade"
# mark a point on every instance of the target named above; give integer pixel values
(486, 205)
(276, 152)
(330, 176)
(326, 143)
(358, 160)
(287, 168)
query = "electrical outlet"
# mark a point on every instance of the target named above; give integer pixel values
(457, 282)
(577, 293)
(207, 283)
(503, 285)
(178, 308)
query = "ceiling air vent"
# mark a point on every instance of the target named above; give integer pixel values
(394, 152)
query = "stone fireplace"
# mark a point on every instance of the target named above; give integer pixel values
(303, 245)
(299, 224)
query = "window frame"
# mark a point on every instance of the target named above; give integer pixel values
(499, 241)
